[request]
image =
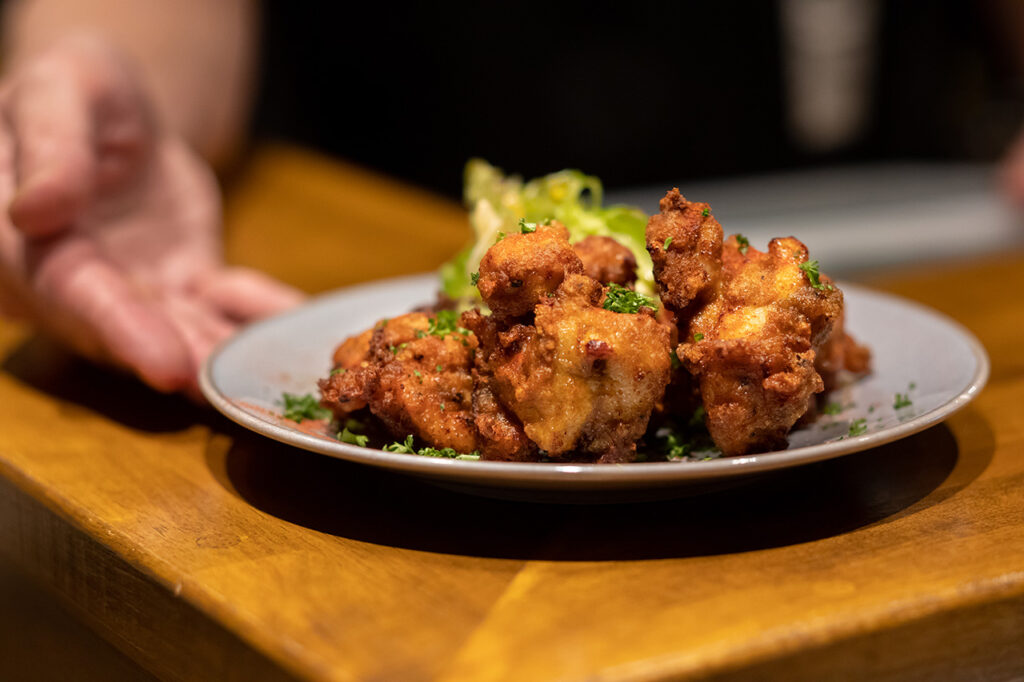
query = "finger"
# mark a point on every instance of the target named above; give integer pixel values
(201, 327)
(84, 297)
(49, 115)
(243, 294)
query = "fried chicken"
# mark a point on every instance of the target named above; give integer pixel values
(606, 260)
(417, 380)
(685, 243)
(841, 352)
(553, 373)
(752, 345)
(582, 380)
(521, 270)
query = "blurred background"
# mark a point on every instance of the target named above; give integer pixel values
(870, 129)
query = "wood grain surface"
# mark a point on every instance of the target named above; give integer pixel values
(203, 551)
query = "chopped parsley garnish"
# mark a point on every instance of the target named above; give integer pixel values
(439, 368)
(448, 453)
(444, 323)
(668, 242)
(744, 244)
(674, 360)
(706, 212)
(474, 278)
(902, 400)
(675, 446)
(525, 227)
(338, 370)
(698, 337)
(810, 269)
(406, 448)
(678, 440)
(418, 375)
(858, 427)
(622, 300)
(501, 235)
(402, 448)
(359, 439)
(697, 418)
(299, 407)
(832, 409)
(393, 349)
(442, 407)
(912, 386)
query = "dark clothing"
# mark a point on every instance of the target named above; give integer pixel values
(633, 92)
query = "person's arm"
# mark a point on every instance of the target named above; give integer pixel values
(195, 58)
(111, 236)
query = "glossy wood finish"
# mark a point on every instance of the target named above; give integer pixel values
(204, 551)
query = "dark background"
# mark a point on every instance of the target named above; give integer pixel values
(633, 92)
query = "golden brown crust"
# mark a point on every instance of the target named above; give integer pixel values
(415, 382)
(582, 380)
(687, 269)
(841, 352)
(753, 345)
(521, 270)
(606, 260)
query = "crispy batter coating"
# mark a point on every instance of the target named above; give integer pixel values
(685, 243)
(758, 338)
(415, 382)
(606, 260)
(351, 354)
(522, 269)
(841, 352)
(501, 433)
(582, 380)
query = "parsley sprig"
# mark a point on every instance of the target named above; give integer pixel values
(858, 427)
(445, 322)
(300, 407)
(619, 299)
(810, 269)
(406, 447)
(525, 227)
(902, 400)
(744, 244)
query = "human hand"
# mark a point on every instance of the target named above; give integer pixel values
(111, 241)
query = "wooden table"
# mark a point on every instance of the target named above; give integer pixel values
(206, 552)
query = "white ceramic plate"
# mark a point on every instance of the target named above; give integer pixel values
(916, 351)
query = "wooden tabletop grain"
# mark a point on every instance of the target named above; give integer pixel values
(205, 552)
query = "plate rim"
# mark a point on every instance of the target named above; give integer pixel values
(586, 475)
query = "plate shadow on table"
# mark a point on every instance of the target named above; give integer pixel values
(48, 367)
(797, 505)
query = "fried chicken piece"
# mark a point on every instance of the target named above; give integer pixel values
(415, 381)
(685, 243)
(753, 346)
(351, 354)
(501, 435)
(841, 352)
(582, 379)
(606, 260)
(522, 269)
